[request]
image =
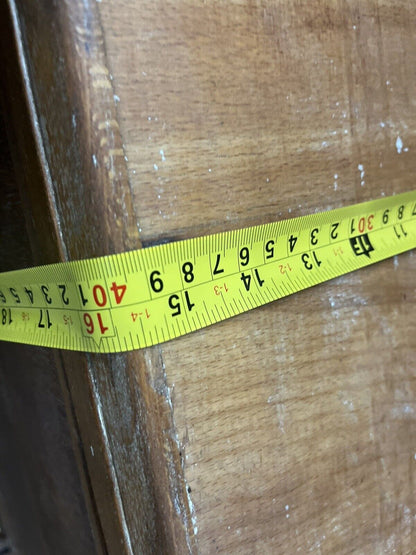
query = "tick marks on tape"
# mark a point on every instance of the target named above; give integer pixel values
(140, 298)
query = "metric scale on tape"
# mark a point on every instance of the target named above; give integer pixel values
(141, 298)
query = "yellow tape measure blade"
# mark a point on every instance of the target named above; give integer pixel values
(137, 299)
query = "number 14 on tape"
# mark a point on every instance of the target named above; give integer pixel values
(140, 298)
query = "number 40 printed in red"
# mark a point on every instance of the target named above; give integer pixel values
(98, 323)
(97, 295)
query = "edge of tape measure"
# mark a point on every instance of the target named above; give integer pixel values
(140, 298)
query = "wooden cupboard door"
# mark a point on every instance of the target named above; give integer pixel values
(286, 429)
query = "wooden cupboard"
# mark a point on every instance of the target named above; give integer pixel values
(288, 429)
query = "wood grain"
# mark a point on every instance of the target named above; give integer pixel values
(66, 146)
(242, 97)
(41, 496)
(287, 429)
(296, 421)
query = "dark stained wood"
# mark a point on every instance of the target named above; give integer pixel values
(287, 429)
(296, 420)
(41, 498)
(118, 403)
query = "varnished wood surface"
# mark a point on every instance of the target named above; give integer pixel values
(290, 428)
(41, 497)
(63, 128)
(258, 105)
(295, 421)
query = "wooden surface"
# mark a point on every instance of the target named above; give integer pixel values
(296, 421)
(290, 428)
(41, 498)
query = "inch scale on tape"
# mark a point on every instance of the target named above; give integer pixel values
(140, 298)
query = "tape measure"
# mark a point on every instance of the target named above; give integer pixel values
(140, 298)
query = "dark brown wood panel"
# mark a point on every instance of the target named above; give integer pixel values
(289, 428)
(41, 498)
(63, 121)
(296, 420)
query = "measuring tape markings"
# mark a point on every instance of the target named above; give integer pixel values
(140, 298)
